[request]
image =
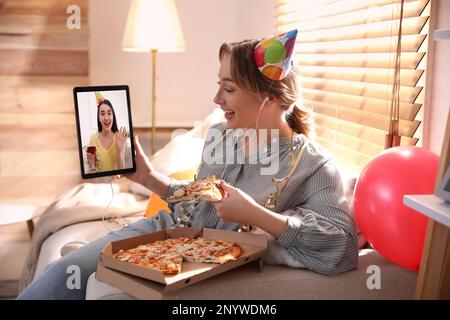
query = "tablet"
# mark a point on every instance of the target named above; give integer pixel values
(104, 128)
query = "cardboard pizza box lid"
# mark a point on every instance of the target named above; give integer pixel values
(253, 245)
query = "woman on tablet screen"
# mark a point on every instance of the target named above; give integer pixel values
(106, 151)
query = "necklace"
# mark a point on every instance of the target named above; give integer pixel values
(271, 201)
(272, 198)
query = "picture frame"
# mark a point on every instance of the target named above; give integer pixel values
(444, 162)
(443, 190)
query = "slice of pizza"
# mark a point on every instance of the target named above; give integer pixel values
(168, 264)
(207, 189)
(160, 255)
(212, 251)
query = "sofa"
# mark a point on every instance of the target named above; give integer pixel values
(375, 277)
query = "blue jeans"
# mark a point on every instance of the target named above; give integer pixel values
(54, 282)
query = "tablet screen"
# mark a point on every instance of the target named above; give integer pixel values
(104, 128)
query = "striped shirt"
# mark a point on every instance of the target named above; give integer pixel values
(320, 234)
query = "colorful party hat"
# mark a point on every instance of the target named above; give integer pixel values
(273, 56)
(99, 97)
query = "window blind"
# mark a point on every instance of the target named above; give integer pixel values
(345, 55)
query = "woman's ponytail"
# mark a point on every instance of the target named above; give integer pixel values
(298, 120)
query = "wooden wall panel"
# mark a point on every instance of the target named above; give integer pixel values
(36, 163)
(30, 95)
(41, 25)
(41, 7)
(60, 42)
(41, 60)
(37, 137)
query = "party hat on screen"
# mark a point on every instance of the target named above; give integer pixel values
(99, 97)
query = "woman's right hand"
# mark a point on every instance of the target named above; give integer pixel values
(146, 175)
(143, 166)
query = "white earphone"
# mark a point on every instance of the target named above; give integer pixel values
(266, 99)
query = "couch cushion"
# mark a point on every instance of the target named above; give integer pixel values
(279, 282)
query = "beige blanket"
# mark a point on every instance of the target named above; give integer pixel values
(85, 202)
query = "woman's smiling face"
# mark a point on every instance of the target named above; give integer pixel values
(106, 117)
(240, 107)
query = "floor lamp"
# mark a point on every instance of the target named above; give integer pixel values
(152, 27)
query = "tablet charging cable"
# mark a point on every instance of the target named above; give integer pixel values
(118, 220)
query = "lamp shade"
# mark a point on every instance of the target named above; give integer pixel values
(153, 24)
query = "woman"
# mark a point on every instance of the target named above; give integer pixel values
(309, 219)
(109, 141)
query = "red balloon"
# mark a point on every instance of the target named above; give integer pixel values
(396, 231)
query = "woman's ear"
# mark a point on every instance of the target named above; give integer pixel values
(268, 98)
(272, 99)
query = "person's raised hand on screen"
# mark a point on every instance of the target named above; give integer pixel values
(121, 138)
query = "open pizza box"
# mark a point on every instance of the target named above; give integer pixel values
(133, 279)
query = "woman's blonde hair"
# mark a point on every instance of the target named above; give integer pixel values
(247, 76)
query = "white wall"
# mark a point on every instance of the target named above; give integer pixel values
(440, 93)
(186, 81)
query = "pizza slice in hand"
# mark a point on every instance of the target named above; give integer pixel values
(207, 189)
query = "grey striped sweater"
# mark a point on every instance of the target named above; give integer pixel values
(320, 234)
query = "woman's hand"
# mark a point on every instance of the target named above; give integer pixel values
(146, 175)
(121, 138)
(236, 205)
(143, 166)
